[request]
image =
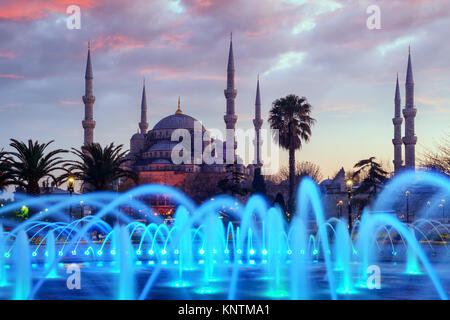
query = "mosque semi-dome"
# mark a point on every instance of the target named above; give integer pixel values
(138, 136)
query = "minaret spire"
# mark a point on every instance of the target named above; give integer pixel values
(409, 73)
(143, 125)
(230, 117)
(397, 97)
(397, 121)
(88, 100)
(257, 122)
(409, 113)
(89, 74)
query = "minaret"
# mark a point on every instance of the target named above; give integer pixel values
(88, 100)
(230, 94)
(257, 122)
(409, 113)
(143, 125)
(397, 121)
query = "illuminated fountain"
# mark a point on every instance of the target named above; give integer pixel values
(199, 256)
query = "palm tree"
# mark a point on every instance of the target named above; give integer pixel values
(5, 176)
(290, 116)
(99, 167)
(372, 175)
(29, 163)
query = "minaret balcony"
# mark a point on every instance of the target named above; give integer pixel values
(408, 140)
(88, 124)
(230, 119)
(397, 121)
(230, 93)
(88, 99)
(409, 112)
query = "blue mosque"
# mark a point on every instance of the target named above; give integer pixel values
(151, 150)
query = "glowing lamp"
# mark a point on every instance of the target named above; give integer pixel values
(349, 184)
(71, 184)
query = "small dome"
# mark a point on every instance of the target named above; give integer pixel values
(137, 143)
(138, 136)
(176, 121)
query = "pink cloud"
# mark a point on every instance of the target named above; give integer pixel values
(175, 38)
(11, 76)
(206, 6)
(26, 10)
(7, 54)
(115, 42)
(209, 77)
(203, 3)
(68, 102)
(164, 73)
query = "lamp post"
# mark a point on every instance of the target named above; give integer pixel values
(339, 205)
(407, 206)
(428, 208)
(82, 209)
(442, 205)
(70, 188)
(349, 184)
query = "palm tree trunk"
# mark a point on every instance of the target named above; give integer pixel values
(291, 207)
(33, 188)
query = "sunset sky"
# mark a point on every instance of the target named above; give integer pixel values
(320, 49)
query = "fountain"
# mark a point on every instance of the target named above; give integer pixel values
(254, 254)
(3, 280)
(22, 267)
(51, 255)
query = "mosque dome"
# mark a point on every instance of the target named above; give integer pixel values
(179, 120)
(176, 121)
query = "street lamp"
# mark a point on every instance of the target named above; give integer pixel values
(339, 205)
(349, 184)
(442, 204)
(82, 209)
(70, 188)
(407, 205)
(428, 208)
